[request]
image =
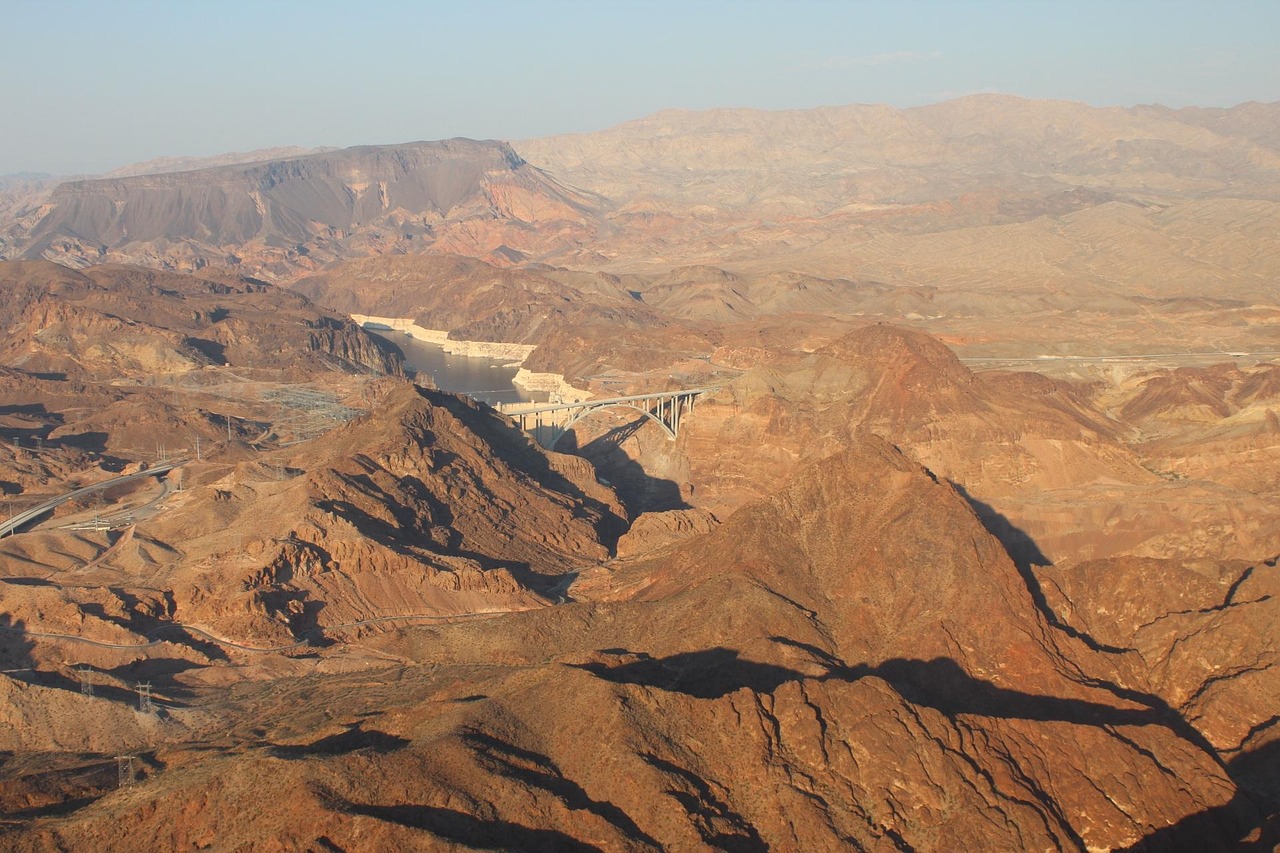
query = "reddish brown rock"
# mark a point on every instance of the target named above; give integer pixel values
(1043, 463)
(1203, 633)
(655, 530)
(867, 669)
(121, 322)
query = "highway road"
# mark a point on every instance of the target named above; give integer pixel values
(9, 527)
(1222, 355)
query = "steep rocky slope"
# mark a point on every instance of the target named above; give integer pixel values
(1218, 423)
(1201, 630)
(432, 506)
(110, 367)
(870, 599)
(808, 676)
(851, 659)
(1044, 464)
(280, 216)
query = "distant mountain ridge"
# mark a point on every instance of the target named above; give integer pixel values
(815, 191)
(158, 165)
(833, 191)
(808, 161)
(276, 216)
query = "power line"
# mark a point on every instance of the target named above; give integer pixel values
(86, 686)
(145, 705)
(124, 771)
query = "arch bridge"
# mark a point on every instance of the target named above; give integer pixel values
(548, 424)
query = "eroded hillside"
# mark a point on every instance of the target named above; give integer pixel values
(412, 627)
(969, 540)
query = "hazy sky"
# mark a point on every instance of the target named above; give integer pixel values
(88, 86)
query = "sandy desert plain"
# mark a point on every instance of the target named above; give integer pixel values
(968, 542)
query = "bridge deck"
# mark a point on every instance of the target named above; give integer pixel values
(666, 408)
(614, 401)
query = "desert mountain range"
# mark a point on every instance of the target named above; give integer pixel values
(971, 543)
(300, 212)
(1043, 214)
(824, 191)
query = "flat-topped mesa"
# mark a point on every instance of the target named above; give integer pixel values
(279, 217)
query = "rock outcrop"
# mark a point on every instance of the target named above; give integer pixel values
(433, 506)
(658, 530)
(128, 323)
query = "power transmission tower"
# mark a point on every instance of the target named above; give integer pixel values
(145, 705)
(86, 686)
(124, 771)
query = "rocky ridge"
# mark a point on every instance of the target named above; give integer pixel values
(118, 322)
(802, 676)
(871, 598)
(274, 218)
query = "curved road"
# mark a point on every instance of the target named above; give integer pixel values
(9, 527)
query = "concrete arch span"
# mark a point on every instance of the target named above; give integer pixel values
(547, 424)
(568, 425)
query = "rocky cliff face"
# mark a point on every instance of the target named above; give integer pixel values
(912, 606)
(277, 217)
(430, 506)
(1177, 622)
(849, 659)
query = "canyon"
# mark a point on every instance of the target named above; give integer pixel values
(971, 541)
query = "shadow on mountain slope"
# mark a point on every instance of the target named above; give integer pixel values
(514, 447)
(638, 490)
(941, 684)
(1251, 818)
(1026, 555)
(461, 828)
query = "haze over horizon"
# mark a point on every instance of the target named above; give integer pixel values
(152, 80)
(626, 427)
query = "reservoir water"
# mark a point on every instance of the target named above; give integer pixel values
(486, 379)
